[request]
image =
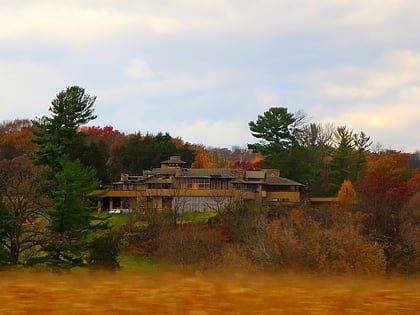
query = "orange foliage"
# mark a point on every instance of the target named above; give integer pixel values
(390, 165)
(207, 159)
(16, 137)
(258, 158)
(179, 143)
(414, 183)
(347, 194)
(297, 241)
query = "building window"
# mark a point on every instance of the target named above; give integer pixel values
(248, 187)
(219, 184)
(158, 186)
(195, 183)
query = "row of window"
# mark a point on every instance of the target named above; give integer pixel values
(203, 183)
(206, 183)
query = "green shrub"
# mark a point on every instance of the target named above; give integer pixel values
(104, 251)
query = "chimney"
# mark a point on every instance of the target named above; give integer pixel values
(124, 177)
(270, 172)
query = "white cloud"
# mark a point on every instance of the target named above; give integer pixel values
(381, 99)
(137, 69)
(60, 22)
(266, 97)
(395, 71)
(27, 95)
(212, 133)
(81, 22)
(390, 117)
(161, 24)
(165, 83)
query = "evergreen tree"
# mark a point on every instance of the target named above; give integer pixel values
(68, 182)
(316, 140)
(361, 144)
(279, 132)
(70, 216)
(140, 153)
(341, 159)
(276, 129)
(56, 134)
(92, 154)
(348, 159)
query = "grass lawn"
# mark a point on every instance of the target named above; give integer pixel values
(132, 264)
(187, 217)
(115, 220)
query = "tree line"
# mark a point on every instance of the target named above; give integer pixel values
(50, 165)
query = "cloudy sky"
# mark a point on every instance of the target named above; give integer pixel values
(202, 69)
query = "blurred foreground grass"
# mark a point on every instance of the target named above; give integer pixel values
(170, 292)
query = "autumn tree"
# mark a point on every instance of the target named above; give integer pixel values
(16, 138)
(255, 165)
(21, 196)
(23, 207)
(409, 246)
(383, 192)
(347, 195)
(107, 135)
(207, 159)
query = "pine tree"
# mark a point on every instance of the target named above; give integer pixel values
(70, 216)
(279, 132)
(67, 181)
(69, 110)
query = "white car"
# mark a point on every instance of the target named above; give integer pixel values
(114, 211)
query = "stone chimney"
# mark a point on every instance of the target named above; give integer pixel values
(271, 172)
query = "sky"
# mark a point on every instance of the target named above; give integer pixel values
(202, 69)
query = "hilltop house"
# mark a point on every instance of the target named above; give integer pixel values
(191, 189)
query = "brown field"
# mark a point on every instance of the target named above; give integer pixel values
(188, 293)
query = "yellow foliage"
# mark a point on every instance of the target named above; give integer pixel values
(258, 158)
(347, 194)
